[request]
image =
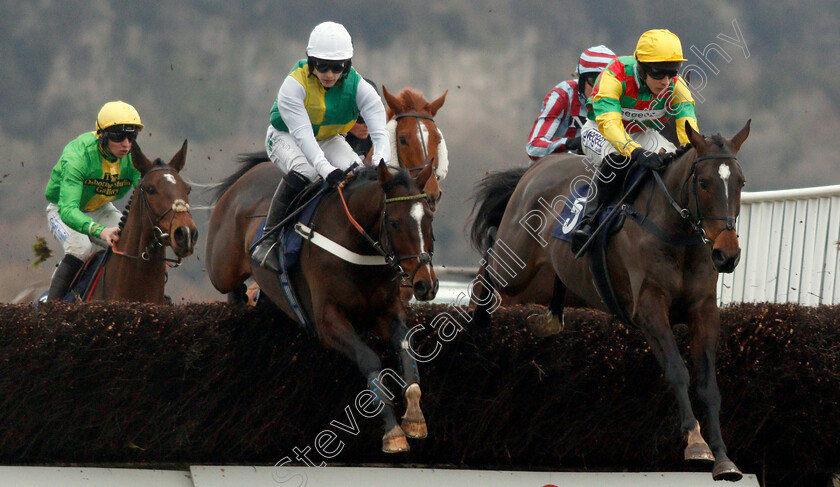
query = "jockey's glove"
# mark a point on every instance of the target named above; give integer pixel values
(336, 177)
(573, 145)
(650, 160)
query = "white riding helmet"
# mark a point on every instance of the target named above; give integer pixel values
(330, 41)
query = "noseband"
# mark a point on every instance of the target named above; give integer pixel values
(417, 116)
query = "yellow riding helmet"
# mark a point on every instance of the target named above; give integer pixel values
(658, 46)
(117, 113)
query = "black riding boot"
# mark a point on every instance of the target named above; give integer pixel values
(63, 276)
(292, 184)
(604, 194)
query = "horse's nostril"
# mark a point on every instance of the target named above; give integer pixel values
(184, 237)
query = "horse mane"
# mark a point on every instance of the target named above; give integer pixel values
(370, 173)
(247, 161)
(491, 197)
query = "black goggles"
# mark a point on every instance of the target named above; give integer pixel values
(334, 66)
(121, 135)
(659, 74)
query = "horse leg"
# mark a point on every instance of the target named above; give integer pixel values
(552, 321)
(238, 295)
(481, 296)
(653, 321)
(705, 321)
(413, 421)
(338, 333)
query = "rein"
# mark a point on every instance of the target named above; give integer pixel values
(391, 258)
(417, 116)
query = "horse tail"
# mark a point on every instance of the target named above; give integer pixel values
(247, 162)
(491, 197)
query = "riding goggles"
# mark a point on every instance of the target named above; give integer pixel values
(118, 133)
(658, 74)
(334, 66)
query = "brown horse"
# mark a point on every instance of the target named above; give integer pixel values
(394, 232)
(659, 276)
(491, 197)
(158, 216)
(135, 269)
(416, 140)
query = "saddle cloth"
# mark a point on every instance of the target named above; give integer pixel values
(288, 251)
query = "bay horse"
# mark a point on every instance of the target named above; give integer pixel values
(657, 277)
(157, 216)
(377, 213)
(416, 140)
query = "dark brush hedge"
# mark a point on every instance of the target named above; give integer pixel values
(211, 383)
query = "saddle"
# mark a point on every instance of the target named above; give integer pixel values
(301, 210)
(84, 281)
(610, 222)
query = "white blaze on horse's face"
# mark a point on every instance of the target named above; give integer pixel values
(724, 173)
(417, 213)
(169, 178)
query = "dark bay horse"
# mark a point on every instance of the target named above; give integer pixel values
(157, 216)
(341, 298)
(657, 281)
(416, 140)
(491, 197)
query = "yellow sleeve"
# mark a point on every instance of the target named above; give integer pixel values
(607, 109)
(685, 113)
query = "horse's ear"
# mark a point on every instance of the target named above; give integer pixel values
(383, 172)
(138, 159)
(741, 136)
(424, 175)
(434, 106)
(180, 158)
(696, 139)
(392, 101)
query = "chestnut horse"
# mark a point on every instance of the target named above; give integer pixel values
(416, 140)
(384, 216)
(157, 216)
(663, 265)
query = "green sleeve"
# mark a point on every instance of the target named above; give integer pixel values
(70, 198)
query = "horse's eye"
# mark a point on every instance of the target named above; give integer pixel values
(704, 184)
(402, 140)
(743, 183)
(395, 225)
(150, 189)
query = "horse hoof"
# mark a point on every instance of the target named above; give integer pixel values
(394, 441)
(699, 452)
(726, 470)
(544, 324)
(414, 429)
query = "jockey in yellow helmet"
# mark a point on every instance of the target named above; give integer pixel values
(93, 170)
(630, 103)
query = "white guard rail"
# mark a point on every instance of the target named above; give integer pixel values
(789, 248)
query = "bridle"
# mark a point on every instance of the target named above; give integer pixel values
(417, 116)
(386, 248)
(696, 220)
(159, 237)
